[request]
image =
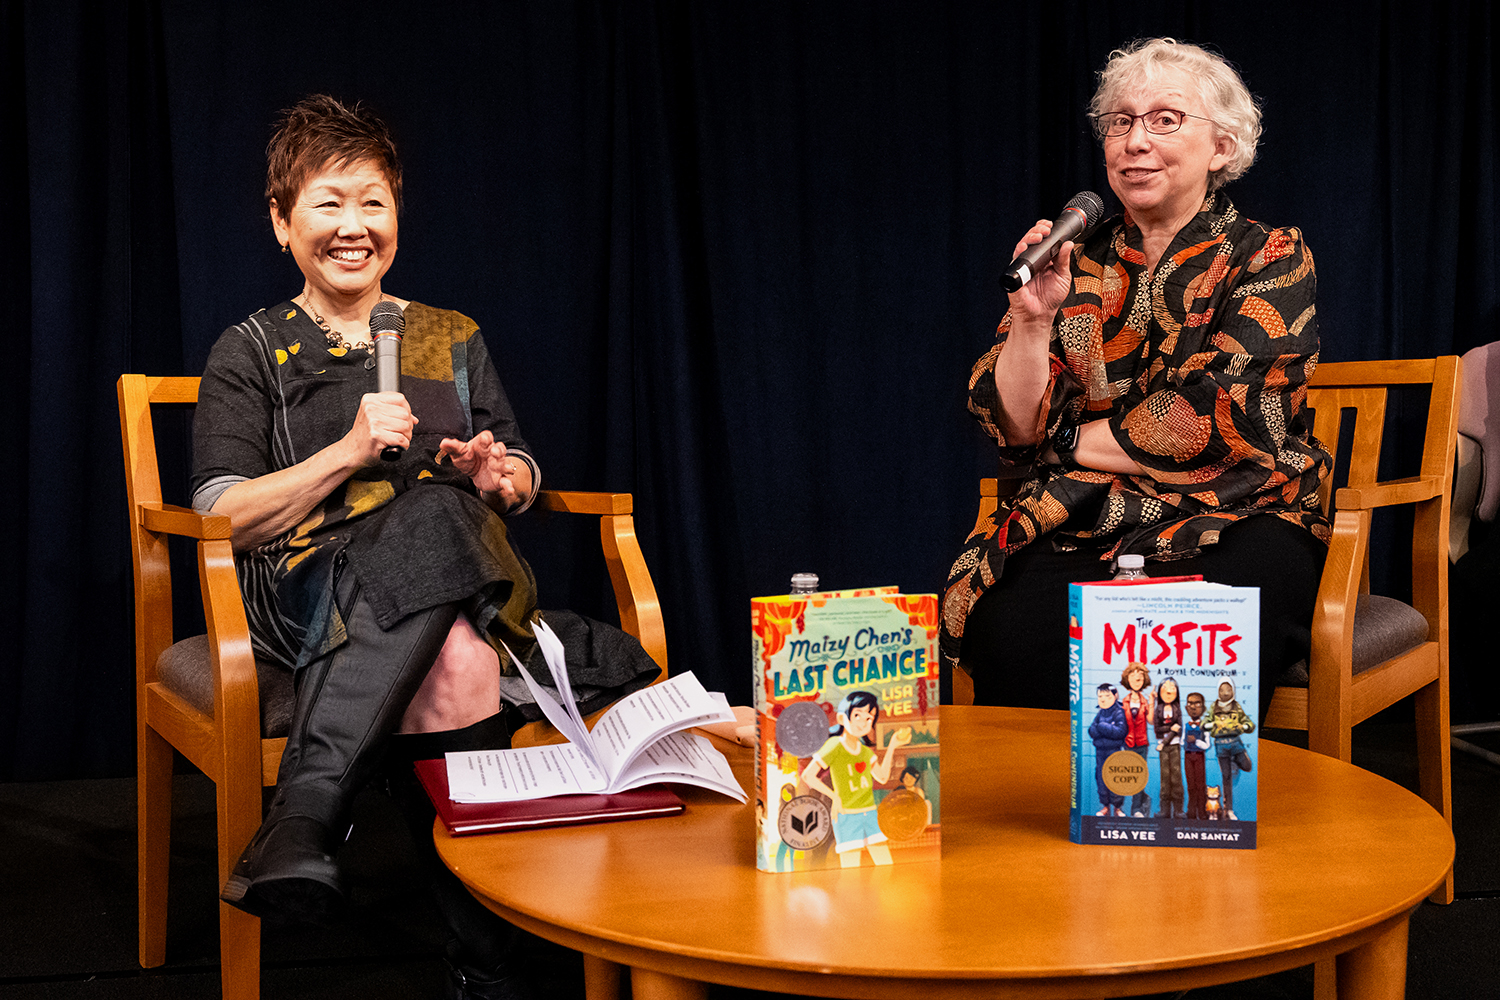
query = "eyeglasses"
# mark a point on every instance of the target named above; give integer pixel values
(1162, 121)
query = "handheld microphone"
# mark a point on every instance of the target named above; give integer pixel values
(1078, 217)
(387, 322)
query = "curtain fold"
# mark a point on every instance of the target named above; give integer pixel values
(735, 259)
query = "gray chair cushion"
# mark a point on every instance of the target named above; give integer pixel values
(1383, 627)
(185, 669)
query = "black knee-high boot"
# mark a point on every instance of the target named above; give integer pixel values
(484, 951)
(348, 704)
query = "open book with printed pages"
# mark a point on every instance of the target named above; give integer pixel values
(639, 741)
(529, 814)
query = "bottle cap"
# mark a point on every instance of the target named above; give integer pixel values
(804, 583)
(1131, 562)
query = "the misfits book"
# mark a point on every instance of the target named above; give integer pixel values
(1164, 685)
(846, 699)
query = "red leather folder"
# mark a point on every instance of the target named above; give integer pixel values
(559, 810)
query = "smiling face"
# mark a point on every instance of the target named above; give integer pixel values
(1163, 179)
(859, 721)
(341, 228)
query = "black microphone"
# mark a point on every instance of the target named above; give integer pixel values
(387, 322)
(1078, 217)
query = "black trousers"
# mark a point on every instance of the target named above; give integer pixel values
(1015, 642)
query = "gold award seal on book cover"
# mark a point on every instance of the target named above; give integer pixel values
(1125, 772)
(902, 815)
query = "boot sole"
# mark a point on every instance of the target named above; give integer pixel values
(285, 900)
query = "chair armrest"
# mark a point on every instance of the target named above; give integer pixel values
(236, 687)
(165, 518)
(580, 502)
(1389, 493)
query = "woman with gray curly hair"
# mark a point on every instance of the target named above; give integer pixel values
(1153, 379)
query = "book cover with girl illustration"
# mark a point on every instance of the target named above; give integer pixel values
(846, 697)
(1163, 682)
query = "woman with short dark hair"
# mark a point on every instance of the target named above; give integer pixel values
(388, 586)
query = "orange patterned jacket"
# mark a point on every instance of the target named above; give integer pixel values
(1201, 370)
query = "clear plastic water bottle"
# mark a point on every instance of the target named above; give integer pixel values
(1128, 567)
(807, 583)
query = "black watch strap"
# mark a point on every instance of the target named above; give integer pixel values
(1065, 442)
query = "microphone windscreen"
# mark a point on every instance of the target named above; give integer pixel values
(387, 317)
(1090, 204)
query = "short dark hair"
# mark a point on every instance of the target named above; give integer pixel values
(853, 700)
(320, 131)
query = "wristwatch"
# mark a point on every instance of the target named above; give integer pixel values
(1064, 442)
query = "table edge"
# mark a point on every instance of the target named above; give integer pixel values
(955, 984)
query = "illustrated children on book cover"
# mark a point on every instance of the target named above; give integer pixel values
(846, 693)
(849, 760)
(1166, 720)
(1194, 742)
(1108, 733)
(1163, 745)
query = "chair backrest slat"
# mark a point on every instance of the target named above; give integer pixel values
(136, 395)
(1365, 406)
(173, 389)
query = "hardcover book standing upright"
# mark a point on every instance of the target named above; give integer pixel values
(846, 699)
(1164, 687)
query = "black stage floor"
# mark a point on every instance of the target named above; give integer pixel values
(67, 902)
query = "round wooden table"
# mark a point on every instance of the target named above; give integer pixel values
(1013, 909)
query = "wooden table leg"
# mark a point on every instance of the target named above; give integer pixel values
(648, 985)
(601, 978)
(1375, 970)
(1325, 985)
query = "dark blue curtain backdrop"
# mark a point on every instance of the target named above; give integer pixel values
(735, 258)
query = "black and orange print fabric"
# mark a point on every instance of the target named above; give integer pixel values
(1201, 370)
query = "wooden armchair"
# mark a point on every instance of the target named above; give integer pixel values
(207, 696)
(1368, 652)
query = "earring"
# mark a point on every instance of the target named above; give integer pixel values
(284, 248)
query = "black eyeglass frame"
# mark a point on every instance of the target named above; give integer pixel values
(1102, 134)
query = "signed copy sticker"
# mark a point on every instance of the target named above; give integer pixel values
(805, 822)
(1125, 772)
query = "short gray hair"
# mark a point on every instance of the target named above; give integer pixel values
(1225, 97)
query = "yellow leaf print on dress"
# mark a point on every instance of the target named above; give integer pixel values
(362, 496)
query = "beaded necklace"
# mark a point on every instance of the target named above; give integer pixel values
(335, 340)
